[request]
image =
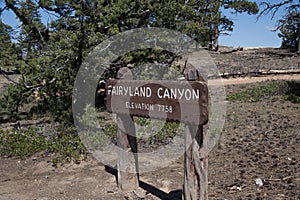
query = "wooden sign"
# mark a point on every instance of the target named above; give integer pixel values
(179, 101)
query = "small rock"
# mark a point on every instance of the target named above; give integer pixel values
(259, 182)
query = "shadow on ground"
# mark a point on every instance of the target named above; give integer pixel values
(173, 195)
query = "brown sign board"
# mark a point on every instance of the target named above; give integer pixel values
(178, 101)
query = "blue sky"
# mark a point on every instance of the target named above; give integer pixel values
(248, 32)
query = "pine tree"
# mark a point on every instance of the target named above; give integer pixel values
(288, 25)
(9, 51)
(289, 33)
(50, 54)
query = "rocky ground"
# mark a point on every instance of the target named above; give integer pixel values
(251, 60)
(260, 141)
(258, 157)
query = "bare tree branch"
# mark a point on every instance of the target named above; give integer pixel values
(272, 8)
(291, 9)
(2, 9)
(6, 75)
(25, 20)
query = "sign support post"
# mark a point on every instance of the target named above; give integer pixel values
(127, 178)
(195, 158)
(195, 164)
(127, 161)
(138, 98)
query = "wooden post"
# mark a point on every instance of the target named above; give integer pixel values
(195, 163)
(195, 159)
(128, 160)
(128, 178)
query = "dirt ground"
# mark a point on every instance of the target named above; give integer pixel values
(251, 60)
(248, 80)
(260, 142)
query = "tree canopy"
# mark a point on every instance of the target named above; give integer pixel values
(55, 36)
(288, 24)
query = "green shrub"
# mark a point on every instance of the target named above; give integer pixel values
(167, 133)
(66, 149)
(21, 144)
(268, 90)
(292, 98)
(293, 93)
(26, 142)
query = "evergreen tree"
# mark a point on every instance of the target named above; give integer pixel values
(9, 51)
(289, 33)
(50, 54)
(288, 25)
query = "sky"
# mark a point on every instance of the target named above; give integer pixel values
(248, 32)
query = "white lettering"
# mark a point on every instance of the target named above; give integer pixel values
(173, 93)
(148, 92)
(142, 91)
(158, 93)
(136, 92)
(139, 106)
(120, 90)
(188, 95)
(114, 91)
(126, 90)
(161, 93)
(130, 93)
(180, 93)
(166, 94)
(196, 95)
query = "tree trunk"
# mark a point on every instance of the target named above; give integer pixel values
(298, 47)
(216, 40)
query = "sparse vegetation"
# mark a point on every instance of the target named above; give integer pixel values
(22, 143)
(270, 90)
(45, 54)
(67, 146)
(293, 93)
(292, 97)
(166, 134)
(149, 137)
(26, 142)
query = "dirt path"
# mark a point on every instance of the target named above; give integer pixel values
(247, 80)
